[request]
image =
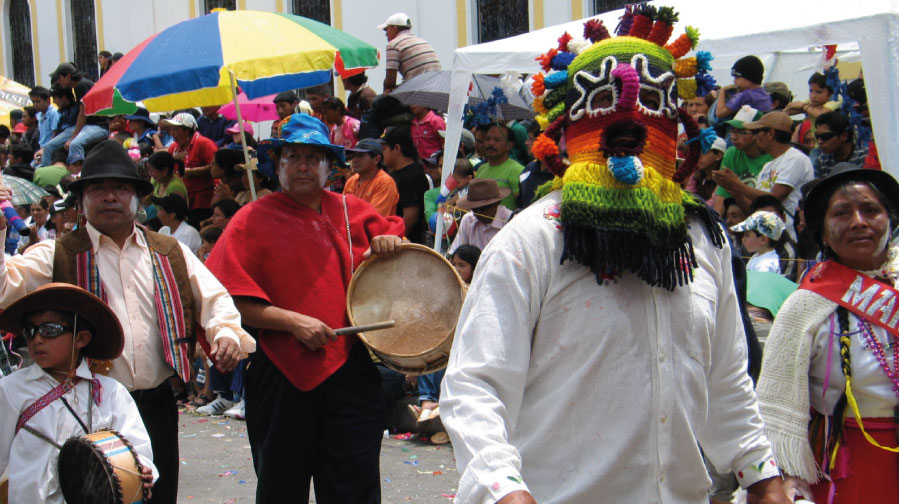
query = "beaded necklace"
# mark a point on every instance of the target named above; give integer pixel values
(876, 347)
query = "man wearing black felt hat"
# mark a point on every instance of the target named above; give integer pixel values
(156, 287)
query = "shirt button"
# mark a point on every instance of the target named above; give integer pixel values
(663, 418)
(662, 479)
(662, 357)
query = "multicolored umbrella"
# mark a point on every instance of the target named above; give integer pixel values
(190, 64)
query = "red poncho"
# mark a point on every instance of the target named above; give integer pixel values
(290, 256)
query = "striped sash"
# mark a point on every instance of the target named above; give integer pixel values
(169, 311)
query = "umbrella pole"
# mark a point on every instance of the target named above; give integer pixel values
(243, 137)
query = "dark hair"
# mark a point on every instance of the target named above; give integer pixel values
(767, 200)
(4, 131)
(229, 207)
(815, 216)
(117, 56)
(463, 167)
(146, 150)
(728, 202)
(105, 54)
(358, 79)
(321, 90)
(469, 254)
(227, 159)
(31, 111)
(57, 91)
(163, 161)
(531, 126)
(509, 136)
(65, 181)
(483, 128)
(211, 234)
(334, 103)
(400, 135)
(22, 151)
(820, 80)
(837, 122)
(40, 92)
(783, 137)
(59, 156)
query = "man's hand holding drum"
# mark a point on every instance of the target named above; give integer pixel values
(384, 246)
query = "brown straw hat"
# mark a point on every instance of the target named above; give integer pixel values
(482, 192)
(107, 340)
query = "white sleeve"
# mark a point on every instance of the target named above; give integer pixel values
(26, 272)
(8, 419)
(213, 306)
(733, 437)
(484, 383)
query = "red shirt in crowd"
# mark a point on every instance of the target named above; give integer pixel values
(425, 136)
(200, 152)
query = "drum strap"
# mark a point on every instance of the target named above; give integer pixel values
(54, 394)
(349, 238)
(42, 436)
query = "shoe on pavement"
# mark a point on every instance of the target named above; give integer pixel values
(217, 407)
(237, 411)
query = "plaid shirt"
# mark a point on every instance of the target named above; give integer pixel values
(825, 162)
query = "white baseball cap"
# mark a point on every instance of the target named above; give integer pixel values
(719, 145)
(182, 119)
(398, 19)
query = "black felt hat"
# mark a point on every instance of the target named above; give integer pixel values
(815, 206)
(108, 160)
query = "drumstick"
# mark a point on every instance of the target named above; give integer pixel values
(363, 328)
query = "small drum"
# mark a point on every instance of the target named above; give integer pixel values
(422, 292)
(100, 468)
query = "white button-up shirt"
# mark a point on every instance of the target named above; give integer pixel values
(32, 461)
(127, 276)
(582, 393)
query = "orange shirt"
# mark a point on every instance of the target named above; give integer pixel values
(380, 192)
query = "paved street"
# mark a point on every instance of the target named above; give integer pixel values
(216, 466)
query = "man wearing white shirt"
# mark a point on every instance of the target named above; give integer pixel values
(156, 287)
(172, 210)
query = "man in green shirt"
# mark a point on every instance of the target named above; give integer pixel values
(51, 175)
(744, 159)
(499, 166)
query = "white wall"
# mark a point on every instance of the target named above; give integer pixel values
(126, 23)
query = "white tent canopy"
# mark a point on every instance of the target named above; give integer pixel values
(777, 31)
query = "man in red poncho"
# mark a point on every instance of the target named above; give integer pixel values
(314, 401)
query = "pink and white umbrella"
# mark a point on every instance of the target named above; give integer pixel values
(258, 109)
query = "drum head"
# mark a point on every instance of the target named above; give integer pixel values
(418, 289)
(84, 475)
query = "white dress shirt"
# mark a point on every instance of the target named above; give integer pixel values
(185, 234)
(31, 460)
(127, 276)
(582, 393)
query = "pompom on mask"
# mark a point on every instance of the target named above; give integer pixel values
(623, 209)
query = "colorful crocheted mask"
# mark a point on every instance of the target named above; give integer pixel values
(615, 101)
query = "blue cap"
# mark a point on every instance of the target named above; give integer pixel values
(307, 130)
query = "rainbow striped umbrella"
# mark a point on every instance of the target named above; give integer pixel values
(190, 64)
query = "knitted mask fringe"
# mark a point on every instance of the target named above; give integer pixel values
(610, 251)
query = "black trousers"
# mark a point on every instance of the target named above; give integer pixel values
(331, 434)
(160, 415)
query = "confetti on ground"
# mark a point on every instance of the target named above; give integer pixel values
(448, 496)
(188, 435)
(405, 449)
(413, 457)
(202, 420)
(228, 473)
(404, 437)
(218, 435)
(242, 482)
(388, 480)
(411, 462)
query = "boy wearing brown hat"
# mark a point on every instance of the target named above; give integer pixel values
(486, 215)
(58, 397)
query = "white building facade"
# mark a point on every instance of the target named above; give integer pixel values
(36, 35)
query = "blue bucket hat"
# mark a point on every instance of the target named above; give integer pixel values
(304, 129)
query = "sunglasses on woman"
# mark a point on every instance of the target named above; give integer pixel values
(47, 330)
